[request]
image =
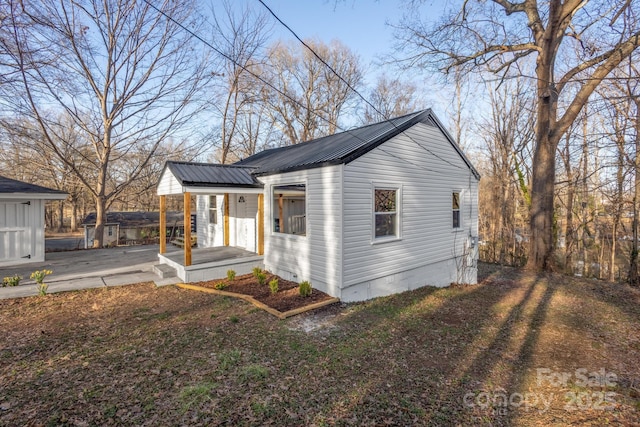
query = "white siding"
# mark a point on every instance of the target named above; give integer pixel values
(168, 184)
(21, 231)
(316, 257)
(428, 176)
(243, 217)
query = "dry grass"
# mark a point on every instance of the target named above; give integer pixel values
(138, 355)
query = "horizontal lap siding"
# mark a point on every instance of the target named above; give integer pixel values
(169, 184)
(316, 257)
(427, 182)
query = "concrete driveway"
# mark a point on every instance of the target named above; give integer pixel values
(91, 268)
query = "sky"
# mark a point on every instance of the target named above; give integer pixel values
(361, 25)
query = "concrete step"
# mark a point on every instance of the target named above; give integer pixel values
(164, 271)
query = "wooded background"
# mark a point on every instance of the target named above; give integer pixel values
(544, 97)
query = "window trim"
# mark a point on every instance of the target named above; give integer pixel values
(386, 186)
(214, 208)
(272, 217)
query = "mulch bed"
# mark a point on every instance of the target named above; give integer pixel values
(287, 298)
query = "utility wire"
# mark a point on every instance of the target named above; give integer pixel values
(384, 116)
(295, 101)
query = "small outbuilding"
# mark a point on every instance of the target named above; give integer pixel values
(368, 212)
(22, 220)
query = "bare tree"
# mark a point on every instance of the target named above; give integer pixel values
(390, 98)
(241, 36)
(574, 43)
(507, 133)
(125, 72)
(310, 99)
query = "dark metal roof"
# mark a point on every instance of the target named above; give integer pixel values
(334, 149)
(339, 148)
(207, 174)
(137, 219)
(8, 185)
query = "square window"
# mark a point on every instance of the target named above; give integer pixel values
(385, 212)
(289, 209)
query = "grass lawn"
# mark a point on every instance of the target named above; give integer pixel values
(518, 349)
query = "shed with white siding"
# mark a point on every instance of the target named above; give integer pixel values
(368, 212)
(22, 220)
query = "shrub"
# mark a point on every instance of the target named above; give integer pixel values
(11, 281)
(231, 275)
(39, 276)
(256, 271)
(304, 288)
(273, 285)
(262, 278)
(220, 285)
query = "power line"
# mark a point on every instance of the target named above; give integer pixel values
(269, 84)
(351, 87)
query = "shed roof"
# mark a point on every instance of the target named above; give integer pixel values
(10, 186)
(341, 147)
(205, 174)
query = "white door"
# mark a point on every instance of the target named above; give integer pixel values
(15, 232)
(241, 222)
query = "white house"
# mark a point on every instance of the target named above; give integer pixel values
(368, 212)
(22, 220)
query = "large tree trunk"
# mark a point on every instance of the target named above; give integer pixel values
(74, 216)
(633, 267)
(541, 223)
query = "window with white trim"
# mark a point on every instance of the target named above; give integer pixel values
(385, 212)
(213, 210)
(290, 209)
(455, 207)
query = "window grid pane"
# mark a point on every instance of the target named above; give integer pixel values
(385, 200)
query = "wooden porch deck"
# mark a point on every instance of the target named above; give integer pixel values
(208, 255)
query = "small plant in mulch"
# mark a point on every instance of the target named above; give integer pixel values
(221, 285)
(262, 278)
(256, 271)
(39, 276)
(304, 288)
(273, 285)
(231, 275)
(11, 281)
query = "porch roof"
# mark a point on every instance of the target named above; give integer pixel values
(207, 178)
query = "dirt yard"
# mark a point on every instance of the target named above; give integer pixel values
(518, 349)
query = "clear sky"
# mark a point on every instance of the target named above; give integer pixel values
(359, 24)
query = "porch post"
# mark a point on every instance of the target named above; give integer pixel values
(226, 219)
(163, 224)
(260, 224)
(187, 229)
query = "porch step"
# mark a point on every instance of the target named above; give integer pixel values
(164, 271)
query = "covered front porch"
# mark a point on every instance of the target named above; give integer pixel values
(233, 233)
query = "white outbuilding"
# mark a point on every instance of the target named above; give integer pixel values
(22, 220)
(368, 212)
